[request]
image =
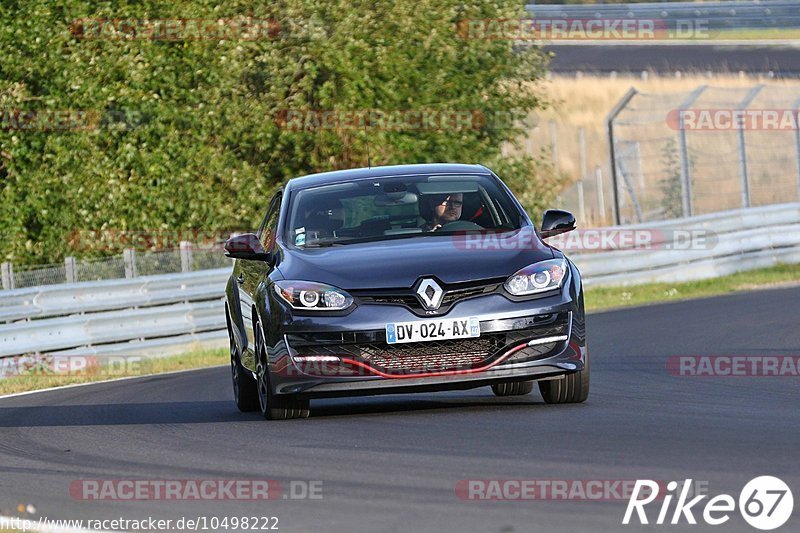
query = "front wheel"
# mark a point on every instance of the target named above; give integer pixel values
(514, 388)
(274, 407)
(572, 388)
(244, 385)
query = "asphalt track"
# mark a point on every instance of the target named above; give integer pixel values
(392, 463)
(782, 61)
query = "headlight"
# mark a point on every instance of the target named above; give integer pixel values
(311, 296)
(539, 277)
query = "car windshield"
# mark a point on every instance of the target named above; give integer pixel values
(385, 208)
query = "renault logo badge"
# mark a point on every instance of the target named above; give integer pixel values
(430, 294)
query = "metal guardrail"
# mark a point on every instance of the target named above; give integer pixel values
(108, 295)
(743, 239)
(111, 326)
(114, 316)
(153, 347)
(766, 14)
(156, 314)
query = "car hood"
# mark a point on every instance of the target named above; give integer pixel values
(400, 262)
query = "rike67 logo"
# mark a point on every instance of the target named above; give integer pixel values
(765, 503)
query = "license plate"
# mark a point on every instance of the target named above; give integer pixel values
(432, 330)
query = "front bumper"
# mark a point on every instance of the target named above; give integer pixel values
(531, 340)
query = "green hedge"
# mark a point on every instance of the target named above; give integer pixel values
(184, 133)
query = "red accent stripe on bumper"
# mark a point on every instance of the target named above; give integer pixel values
(484, 368)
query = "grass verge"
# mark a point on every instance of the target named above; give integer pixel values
(597, 298)
(601, 298)
(759, 34)
(41, 377)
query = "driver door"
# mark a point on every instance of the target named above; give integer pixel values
(248, 274)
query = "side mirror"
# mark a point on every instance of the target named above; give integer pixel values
(556, 222)
(246, 246)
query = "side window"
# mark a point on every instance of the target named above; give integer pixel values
(269, 227)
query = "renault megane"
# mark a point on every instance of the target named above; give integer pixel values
(402, 279)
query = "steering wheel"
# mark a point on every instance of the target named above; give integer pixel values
(460, 225)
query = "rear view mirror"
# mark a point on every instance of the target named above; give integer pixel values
(395, 194)
(393, 199)
(556, 222)
(246, 246)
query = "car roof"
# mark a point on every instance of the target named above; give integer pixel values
(336, 176)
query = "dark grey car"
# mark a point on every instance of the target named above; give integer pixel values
(402, 279)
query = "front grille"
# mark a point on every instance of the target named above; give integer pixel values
(409, 301)
(406, 297)
(434, 355)
(453, 296)
(417, 356)
(454, 354)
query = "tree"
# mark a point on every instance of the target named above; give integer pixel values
(190, 133)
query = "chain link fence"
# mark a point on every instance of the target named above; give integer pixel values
(130, 264)
(579, 156)
(702, 151)
(590, 199)
(680, 154)
(99, 269)
(41, 275)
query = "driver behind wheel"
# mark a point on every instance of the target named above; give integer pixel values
(323, 219)
(443, 209)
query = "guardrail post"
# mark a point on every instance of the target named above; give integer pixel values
(628, 182)
(581, 203)
(7, 270)
(743, 147)
(554, 146)
(610, 122)
(601, 200)
(529, 146)
(686, 178)
(69, 269)
(186, 256)
(129, 257)
(686, 175)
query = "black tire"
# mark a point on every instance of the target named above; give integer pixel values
(514, 388)
(274, 407)
(573, 388)
(245, 392)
